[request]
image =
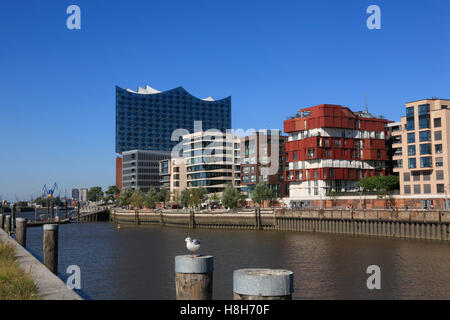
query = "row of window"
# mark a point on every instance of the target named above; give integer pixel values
(426, 188)
(422, 176)
(425, 162)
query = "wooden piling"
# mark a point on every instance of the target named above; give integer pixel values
(263, 284)
(2, 221)
(21, 231)
(194, 277)
(7, 223)
(51, 247)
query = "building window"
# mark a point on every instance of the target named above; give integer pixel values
(438, 135)
(426, 162)
(416, 176)
(411, 150)
(327, 153)
(410, 112)
(406, 177)
(439, 175)
(311, 153)
(407, 189)
(410, 123)
(427, 188)
(417, 189)
(424, 109)
(426, 175)
(439, 162)
(411, 137)
(437, 122)
(337, 143)
(425, 148)
(316, 174)
(440, 188)
(424, 136)
(424, 122)
(412, 163)
(294, 156)
(438, 148)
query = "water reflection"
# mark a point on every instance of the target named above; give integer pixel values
(137, 262)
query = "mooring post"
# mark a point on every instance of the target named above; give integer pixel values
(192, 219)
(7, 223)
(263, 284)
(35, 213)
(1, 220)
(13, 218)
(51, 247)
(21, 231)
(194, 277)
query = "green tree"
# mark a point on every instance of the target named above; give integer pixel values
(111, 193)
(137, 199)
(197, 196)
(214, 198)
(151, 198)
(125, 196)
(231, 196)
(163, 195)
(184, 198)
(262, 193)
(95, 194)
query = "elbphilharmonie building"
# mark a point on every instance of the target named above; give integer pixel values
(145, 121)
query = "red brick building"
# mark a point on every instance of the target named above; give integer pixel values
(330, 148)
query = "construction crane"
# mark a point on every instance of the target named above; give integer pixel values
(49, 192)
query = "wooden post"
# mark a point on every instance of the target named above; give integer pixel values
(51, 247)
(263, 284)
(192, 219)
(8, 223)
(21, 231)
(35, 213)
(1, 220)
(13, 218)
(194, 277)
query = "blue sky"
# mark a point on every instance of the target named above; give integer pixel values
(57, 86)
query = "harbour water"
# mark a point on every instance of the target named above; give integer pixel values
(137, 262)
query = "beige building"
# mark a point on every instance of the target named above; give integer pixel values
(212, 160)
(421, 143)
(172, 173)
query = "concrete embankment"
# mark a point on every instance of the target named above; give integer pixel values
(49, 285)
(415, 224)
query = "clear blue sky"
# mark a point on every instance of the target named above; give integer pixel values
(57, 86)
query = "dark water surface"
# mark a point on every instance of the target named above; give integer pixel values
(137, 262)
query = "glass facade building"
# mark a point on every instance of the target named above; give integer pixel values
(146, 119)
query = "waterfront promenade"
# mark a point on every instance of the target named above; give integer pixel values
(415, 224)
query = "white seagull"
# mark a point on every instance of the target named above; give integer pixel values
(192, 244)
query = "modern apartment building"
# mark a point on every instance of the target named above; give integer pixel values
(75, 195)
(212, 160)
(172, 173)
(262, 161)
(83, 195)
(141, 169)
(330, 148)
(422, 149)
(147, 118)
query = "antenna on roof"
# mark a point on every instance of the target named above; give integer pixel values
(366, 109)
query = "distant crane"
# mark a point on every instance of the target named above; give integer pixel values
(49, 192)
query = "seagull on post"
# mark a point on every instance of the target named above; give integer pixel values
(192, 244)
